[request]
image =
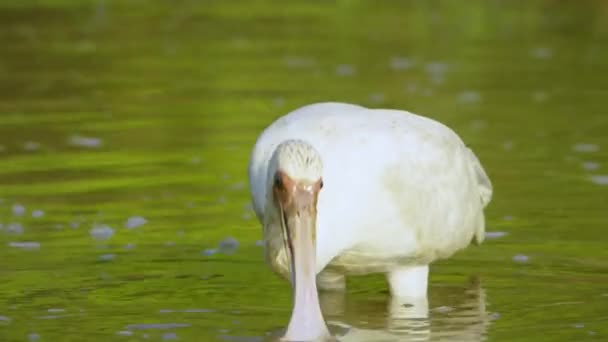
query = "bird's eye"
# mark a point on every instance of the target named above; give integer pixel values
(321, 185)
(278, 183)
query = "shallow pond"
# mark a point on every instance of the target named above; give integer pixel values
(126, 126)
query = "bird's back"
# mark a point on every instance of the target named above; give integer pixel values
(387, 173)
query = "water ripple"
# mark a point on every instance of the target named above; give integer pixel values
(146, 326)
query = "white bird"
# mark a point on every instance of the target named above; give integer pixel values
(343, 189)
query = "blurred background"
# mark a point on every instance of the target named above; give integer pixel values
(126, 127)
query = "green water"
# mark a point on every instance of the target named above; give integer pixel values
(174, 94)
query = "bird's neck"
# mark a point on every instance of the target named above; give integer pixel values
(306, 321)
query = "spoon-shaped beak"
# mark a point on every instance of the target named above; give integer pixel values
(298, 217)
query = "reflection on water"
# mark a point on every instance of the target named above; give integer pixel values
(464, 320)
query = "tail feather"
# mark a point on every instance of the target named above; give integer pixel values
(485, 194)
(485, 185)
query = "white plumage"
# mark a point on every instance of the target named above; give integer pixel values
(398, 188)
(400, 191)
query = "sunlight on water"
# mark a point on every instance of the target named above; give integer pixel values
(125, 132)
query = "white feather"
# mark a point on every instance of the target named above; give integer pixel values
(298, 159)
(399, 189)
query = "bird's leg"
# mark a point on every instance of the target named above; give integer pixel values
(408, 282)
(333, 303)
(408, 305)
(331, 281)
(332, 295)
(409, 316)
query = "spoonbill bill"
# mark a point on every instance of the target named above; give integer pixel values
(341, 189)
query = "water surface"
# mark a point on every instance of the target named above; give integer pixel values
(125, 129)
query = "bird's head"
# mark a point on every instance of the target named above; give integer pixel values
(296, 178)
(296, 181)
